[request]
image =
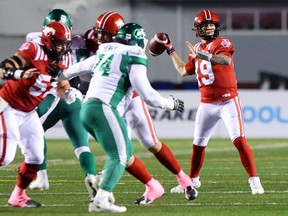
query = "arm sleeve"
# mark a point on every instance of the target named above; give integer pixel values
(78, 69)
(139, 80)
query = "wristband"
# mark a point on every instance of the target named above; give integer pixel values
(18, 74)
(204, 55)
(170, 104)
(170, 51)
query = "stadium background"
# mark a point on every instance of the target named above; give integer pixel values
(258, 30)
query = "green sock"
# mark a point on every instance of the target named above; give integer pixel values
(87, 163)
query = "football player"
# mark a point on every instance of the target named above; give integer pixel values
(20, 123)
(118, 68)
(212, 62)
(67, 109)
(139, 120)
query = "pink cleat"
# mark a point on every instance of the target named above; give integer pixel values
(154, 190)
(185, 182)
(19, 198)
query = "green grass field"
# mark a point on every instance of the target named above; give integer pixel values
(224, 189)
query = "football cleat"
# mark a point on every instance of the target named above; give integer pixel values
(196, 182)
(178, 189)
(90, 183)
(22, 201)
(28, 204)
(190, 193)
(142, 201)
(255, 185)
(41, 181)
(96, 186)
(154, 190)
(103, 205)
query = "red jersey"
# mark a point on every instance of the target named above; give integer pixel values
(216, 82)
(26, 94)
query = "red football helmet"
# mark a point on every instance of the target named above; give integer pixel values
(108, 24)
(56, 38)
(204, 17)
(90, 41)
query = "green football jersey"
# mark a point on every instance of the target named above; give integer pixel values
(110, 80)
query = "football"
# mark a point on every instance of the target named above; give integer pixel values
(155, 47)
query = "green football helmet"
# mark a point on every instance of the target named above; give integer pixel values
(60, 16)
(132, 34)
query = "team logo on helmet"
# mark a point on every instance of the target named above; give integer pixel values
(140, 33)
(119, 23)
(47, 31)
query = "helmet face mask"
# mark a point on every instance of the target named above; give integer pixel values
(59, 16)
(102, 36)
(56, 38)
(132, 34)
(201, 22)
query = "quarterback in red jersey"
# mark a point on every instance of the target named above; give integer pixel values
(20, 123)
(212, 62)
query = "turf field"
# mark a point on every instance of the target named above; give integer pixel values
(224, 189)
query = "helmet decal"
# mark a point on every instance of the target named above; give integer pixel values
(119, 23)
(140, 33)
(207, 14)
(48, 31)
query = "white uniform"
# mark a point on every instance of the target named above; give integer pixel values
(118, 78)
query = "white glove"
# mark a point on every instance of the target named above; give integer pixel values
(175, 104)
(70, 96)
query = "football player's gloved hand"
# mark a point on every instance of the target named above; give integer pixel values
(175, 104)
(168, 46)
(70, 96)
(53, 69)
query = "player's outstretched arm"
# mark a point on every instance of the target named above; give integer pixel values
(78, 69)
(140, 82)
(13, 68)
